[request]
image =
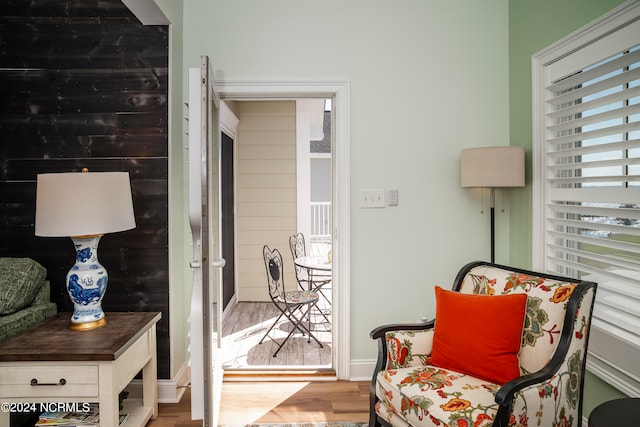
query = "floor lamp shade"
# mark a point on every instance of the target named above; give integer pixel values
(84, 206)
(492, 167)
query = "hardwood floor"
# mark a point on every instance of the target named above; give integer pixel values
(249, 321)
(175, 414)
(277, 402)
(250, 402)
(289, 402)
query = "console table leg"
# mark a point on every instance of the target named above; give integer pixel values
(108, 397)
(150, 378)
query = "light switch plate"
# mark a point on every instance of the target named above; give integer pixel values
(372, 199)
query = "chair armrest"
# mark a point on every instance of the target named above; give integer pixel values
(524, 395)
(408, 338)
(508, 390)
(409, 332)
(417, 326)
(527, 388)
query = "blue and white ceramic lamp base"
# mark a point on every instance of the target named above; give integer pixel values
(87, 284)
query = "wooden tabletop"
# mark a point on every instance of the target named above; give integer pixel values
(51, 340)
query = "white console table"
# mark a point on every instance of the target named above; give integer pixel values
(50, 363)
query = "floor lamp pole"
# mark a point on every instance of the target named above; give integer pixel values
(493, 224)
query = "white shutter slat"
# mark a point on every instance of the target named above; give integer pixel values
(599, 322)
(571, 167)
(620, 79)
(618, 113)
(611, 228)
(598, 133)
(595, 103)
(617, 179)
(613, 245)
(619, 318)
(618, 196)
(583, 56)
(596, 148)
(602, 211)
(577, 79)
(588, 256)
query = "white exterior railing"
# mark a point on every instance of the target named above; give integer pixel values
(321, 220)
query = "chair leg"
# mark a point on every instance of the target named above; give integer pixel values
(318, 289)
(298, 322)
(322, 313)
(272, 326)
(297, 325)
(282, 313)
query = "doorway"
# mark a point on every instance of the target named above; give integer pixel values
(338, 93)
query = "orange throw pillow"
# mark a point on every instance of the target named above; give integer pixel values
(479, 335)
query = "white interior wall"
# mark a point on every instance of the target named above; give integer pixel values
(427, 79)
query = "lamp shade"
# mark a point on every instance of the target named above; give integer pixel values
(492, 167)
(83, 203)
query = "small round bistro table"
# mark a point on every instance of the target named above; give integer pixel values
(620, 413)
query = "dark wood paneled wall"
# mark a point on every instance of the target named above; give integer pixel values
(84, 84)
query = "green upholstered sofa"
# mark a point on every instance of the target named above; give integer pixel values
(24, 295)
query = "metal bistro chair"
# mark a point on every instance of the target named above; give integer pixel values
(288, 303)
(314, 282)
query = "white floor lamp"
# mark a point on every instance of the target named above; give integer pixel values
(492, 167)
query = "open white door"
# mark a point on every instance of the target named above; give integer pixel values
(204, 219)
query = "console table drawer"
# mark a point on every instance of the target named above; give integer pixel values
(48, 380)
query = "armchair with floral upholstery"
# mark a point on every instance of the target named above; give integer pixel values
(507, 348)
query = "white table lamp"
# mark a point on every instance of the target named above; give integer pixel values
(84, 206)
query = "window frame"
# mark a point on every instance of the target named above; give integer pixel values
(610, 358)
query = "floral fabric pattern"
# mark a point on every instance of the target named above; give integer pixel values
(545, 309)
(400, 348)
(411, 392)
(429, 395)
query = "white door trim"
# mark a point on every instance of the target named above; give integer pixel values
(339, 91)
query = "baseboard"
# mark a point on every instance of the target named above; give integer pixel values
(232, 303)
(615, 374)
(169, 391)
(361, 369)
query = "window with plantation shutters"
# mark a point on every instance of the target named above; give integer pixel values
(587, 180)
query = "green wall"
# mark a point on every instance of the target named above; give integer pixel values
(534, 25)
